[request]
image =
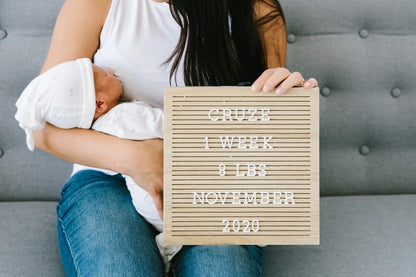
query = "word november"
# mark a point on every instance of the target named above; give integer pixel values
(244, 198)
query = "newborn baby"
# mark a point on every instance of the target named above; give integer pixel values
(69, 95)
(79, 94)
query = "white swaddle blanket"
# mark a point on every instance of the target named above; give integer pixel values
(63, 96)
(135, 120)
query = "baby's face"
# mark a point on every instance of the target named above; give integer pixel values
(107, 86)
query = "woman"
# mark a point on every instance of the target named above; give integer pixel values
(151, 44)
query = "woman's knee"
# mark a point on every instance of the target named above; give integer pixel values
(100, 231)
(219, 260)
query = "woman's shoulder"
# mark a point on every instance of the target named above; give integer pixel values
(77, 31)
(264, 8)
(272, 30)
(99, 8)
(96, 10)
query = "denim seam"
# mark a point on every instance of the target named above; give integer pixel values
(173, 270)
(69, 246)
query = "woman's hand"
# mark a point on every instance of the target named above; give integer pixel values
(280, 80)
(145, 167)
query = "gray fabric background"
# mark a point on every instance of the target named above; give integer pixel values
(360, 51)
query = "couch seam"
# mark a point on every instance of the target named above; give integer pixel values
(69, 246)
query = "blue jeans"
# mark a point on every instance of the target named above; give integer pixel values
(101, 234)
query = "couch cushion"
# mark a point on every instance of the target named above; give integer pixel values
(360, 236)
(28, 240)
(362, 53)
(25, 30)
(362, 63)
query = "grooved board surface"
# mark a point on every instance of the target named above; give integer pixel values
(241, 167)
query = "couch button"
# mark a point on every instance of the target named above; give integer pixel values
(363, 33)
(1, 153)
(396, 92)
(325, 91)
(291, 38)
(3, 34)
(364, 150)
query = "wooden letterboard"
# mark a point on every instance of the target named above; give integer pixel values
(241, 167)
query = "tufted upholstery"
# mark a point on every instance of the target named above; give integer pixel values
(26, 27)
(363, 54)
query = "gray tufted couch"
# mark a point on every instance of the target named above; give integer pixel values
(363, 52)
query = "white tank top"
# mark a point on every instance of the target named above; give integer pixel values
(137, 38)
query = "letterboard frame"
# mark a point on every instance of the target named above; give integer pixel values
(207, 203)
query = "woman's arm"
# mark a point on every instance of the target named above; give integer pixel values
(77, 31)
(272, 35)
(274, 38)
(77, 34)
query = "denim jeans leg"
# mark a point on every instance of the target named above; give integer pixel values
(219, 260)
(99, 231)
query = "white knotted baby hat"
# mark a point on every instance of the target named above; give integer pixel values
(63, 96)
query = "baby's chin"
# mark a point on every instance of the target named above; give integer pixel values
(97, 115)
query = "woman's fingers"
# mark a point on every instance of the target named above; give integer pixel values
(280, 80)
(158, 200)
(269, 79)
(154, 186)
(311, 83)
(259, 83)
(276, 78)
(293, 80)
(146, 164)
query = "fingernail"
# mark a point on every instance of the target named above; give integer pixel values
(255, 87)
(278, 91)
(307, 84)
(266, 89)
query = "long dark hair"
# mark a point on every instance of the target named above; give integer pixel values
(219, 41)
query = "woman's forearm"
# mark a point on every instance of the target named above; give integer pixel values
(141, 160)
(86, 147)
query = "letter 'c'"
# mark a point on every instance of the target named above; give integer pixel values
(210, 117)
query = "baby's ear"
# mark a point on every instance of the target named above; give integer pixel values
(100, 106)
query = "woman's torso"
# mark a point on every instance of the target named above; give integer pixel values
(137, 38)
